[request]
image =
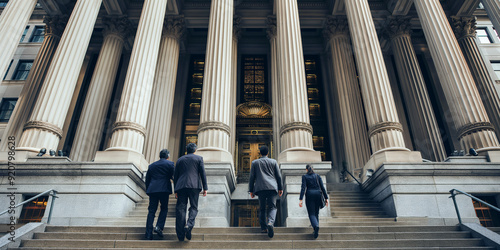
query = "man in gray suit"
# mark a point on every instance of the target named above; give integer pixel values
(265, 182)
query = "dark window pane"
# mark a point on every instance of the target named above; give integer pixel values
(22, 71)
(24, 34)
(38, 35)
(6, 108)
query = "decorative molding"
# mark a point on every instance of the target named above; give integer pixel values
(463, 27)
(473, 128)
(214, 125)
(383, 126)
(236, 27)
(337, 25)
(46, 126)
(117, 25)
(398, 26)
(296, 126)
(254, 110)
(55, 25)
(174, 27)
(271, 31)
(130, 126)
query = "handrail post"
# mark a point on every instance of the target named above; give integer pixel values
(54, 193)
(456, 206)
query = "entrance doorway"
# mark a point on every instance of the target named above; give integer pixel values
(249, 151)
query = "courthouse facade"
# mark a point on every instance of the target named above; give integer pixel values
(392, 93)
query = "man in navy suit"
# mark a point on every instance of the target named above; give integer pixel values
(158, 187)
(189, 179)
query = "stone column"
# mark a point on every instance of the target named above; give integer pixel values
(162, 102)
(492, 7)
(13, 22)
(44, 130)
(426, 135)
(385, 130)
(91, 125)
(271, 35)
(129, 130)
(296, 130)
(465, 31)
(214, 130)
(53, 30)
(467, 110)
(357, 148)
(234, 84)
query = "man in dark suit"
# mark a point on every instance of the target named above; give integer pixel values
(189, 179)
(265, 182)
(158, 187)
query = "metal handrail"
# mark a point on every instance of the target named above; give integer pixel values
(54, 196)
(453, 194)
(345, 170)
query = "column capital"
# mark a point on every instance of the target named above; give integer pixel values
(397, 26)
(335, 26)
(55, 25)
(463, 27)
(119, 26)
(236, 27)
(174, 27)
(271, 27)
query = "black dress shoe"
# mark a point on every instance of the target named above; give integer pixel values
(188, 233)
(316, 232)
(148, 236)
(159, 232)
(264, 231)
(270, 231)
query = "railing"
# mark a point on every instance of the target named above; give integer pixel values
(454, 193)
(54, 196)
(345, 170)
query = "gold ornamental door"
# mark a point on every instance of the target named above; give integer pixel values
(248, 152)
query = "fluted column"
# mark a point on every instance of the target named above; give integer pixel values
(465, 31)
(162, 100)
(44, 130)
(13, 22)
(296, 130)
(492, 7)
(89, 132)
(468, 113)
(426, 135)
(53, 30)
(234, 82)
(271, 35)
(357, 148)
(129, 130)
(385, 130)
(214, 130)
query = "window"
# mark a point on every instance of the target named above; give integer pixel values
(38, 34)
(6, 108)
(7, 72)
(24, 33)
(254, 79)
(482, 36)
(34, 210)
(496, 68)
(22, 71)
(3, 3)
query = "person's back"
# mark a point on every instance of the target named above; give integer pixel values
(189, 172)
(265, 175)
(158, 177)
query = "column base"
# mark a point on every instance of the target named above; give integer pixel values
(213, 155)
(122, 156)
(492, 155)
(377, 160)
(299, 156)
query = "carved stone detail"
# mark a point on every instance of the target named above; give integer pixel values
(296, 126)
(383, 126)
(236, 27)
(44, 126)
(174, 27)
(254, 110)
(116, 25)
(55, 25)
(131, 126)
(214, 125)
(336, 26)
(398, 26)
(271, 27)
(473, 128)
(463, 27)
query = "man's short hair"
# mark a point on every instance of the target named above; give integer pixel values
(164, 154)
(264, 150)
(191, 148)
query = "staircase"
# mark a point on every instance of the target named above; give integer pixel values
(356, 222)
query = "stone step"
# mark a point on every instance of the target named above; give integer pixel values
(392, 248)
(354, 204)
(495, 229)
(358, 213)
(347, 209)
(356, 219)
(273, 244)
(145, 213)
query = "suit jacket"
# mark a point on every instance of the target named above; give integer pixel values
(158, 177)
(310, 182)
(190, 173)
(264, 175)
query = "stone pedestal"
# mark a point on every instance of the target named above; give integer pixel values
(13, 22)
(292, 215)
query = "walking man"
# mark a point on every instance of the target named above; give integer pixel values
(189, 178)
(265, 182)
(158, 188)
